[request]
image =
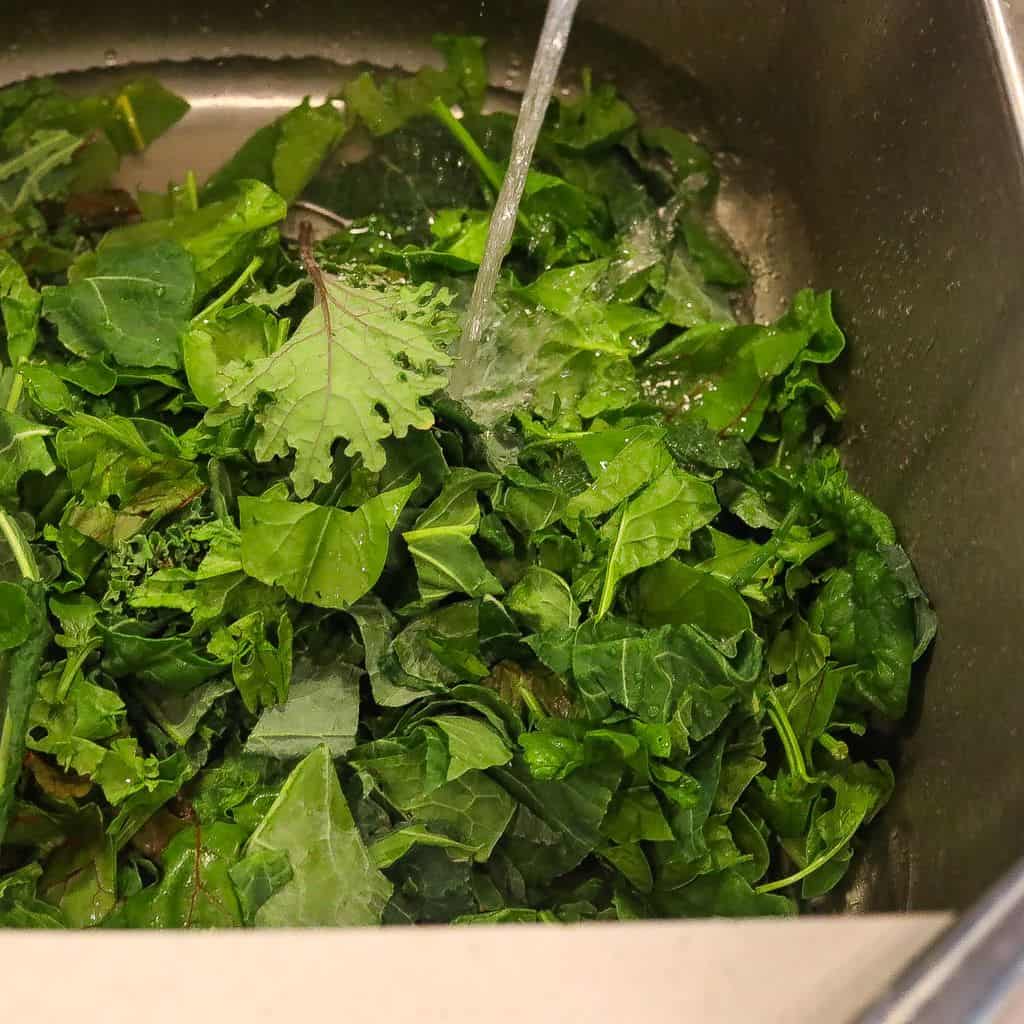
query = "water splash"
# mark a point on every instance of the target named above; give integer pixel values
(554, 38)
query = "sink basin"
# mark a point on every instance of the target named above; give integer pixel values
(871, 147)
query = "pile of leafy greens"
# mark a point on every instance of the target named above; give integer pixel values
(291, 634)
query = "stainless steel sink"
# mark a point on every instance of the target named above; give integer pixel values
(871, 147)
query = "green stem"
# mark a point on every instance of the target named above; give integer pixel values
(483, 162)
(124, 104)
(799, 876)
(192, 190)
(468, 143)
(21, 551)
(768, 551)
(221, 301)
(6, 742)
(72, 667)
(14, 395)
(542, 442)
(532, 704)
(790, 743)
(608, 588)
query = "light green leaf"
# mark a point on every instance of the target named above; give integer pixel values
(673, 593)
(221, 237)
(544, 601)
(239, 333)
(257, 877)
(322, 708)
(334, 879)
(20, 304)
(34, 173)
(395, 845)
(357, 367)
(81, 876)
(441, 543)
(640, 458)
(320, 555)
(653, 525)
(17, 616)
(472, 744)
(285, 153)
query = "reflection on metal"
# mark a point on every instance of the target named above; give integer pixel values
(972, 974)
(1007, 50)
(230, 100)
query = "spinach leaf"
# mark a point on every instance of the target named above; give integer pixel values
(440, 542)
(674, 593)
(285, 153)
(544, 601)
(132, 303)
(650, 527)
(300, 546)
(865, 613)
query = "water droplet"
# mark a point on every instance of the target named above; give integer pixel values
(110, 58)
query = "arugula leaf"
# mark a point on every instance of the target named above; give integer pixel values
(23, 450)
(260, 667)
(300, 546)
(35, 173)
(596, 120)
(385, 107)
